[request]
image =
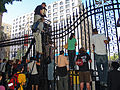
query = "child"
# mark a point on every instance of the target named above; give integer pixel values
(82, 62)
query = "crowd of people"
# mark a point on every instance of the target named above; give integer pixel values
(28, 73)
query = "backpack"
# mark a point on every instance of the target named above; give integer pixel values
(13, 83)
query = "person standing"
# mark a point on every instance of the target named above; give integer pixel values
(99, 42)
(3, 70)
(50, 54)
(34, 77)
(84, 70)
(114, 77)
(71, 50)
(21, 77)
(62, 66)
(39, 17)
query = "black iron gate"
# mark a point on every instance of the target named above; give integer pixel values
(91, 14)
(102, 15)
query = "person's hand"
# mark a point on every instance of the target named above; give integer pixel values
(90, 61)
(42, 31)
(106, 41)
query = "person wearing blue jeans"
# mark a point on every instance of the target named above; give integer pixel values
(99, 42)
(102, 72)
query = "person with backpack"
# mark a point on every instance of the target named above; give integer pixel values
(18, 80)
(38, 21)
(32, 69)
(82, 61)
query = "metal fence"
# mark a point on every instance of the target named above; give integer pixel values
(90, 14)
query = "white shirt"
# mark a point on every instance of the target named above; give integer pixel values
(2, 67)
(30, 66)
(98, 41)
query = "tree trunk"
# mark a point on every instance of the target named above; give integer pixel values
(1, 19)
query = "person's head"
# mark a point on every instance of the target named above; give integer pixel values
(50, 42)
(61, 52)
(95, 31)
(17, 60)
(0, 60)
(72, 36)
(115, 65)
(20, 68)
(82, 50)
(4, 60)
(32, 58)
(43, 4)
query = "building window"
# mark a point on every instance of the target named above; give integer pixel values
(23, 20)
(61, 22)
(54, 14)
(31, 14)
(49, 11)
(61, 11)
(31, 22)
(49, 15)
(68, 10)
(55, 18)
(16, 19)
(68, 5)
(61, 17)
(61, 3)
(23, 16)
(67, 1)
(55, 5)
(73, 4)
(61, 8)
(19, 21)
(73, 8)
(68, 15)
(54, 10)
(49, 7)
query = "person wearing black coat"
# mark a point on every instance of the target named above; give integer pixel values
(114, 77)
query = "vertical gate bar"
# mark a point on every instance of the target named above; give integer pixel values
(70, 25)
(118, 8)
(62, 33)
(91, 22)
(81, 26)
(59, 37)
(73, 22)
(88, 32)
(65, 35)
(105, 18)
(91, 13)
(94, 14)
(85, 40)
(54, 55)
(116, 29)
(77, 28)
(67, 25)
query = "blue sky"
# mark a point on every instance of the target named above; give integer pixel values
(21, 8)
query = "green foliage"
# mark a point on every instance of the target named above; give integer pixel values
(2, 4)
(114, 57)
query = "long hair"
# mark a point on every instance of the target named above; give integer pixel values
(72, 34)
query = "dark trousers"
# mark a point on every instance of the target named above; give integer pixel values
(71, 55)
(63, 83)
